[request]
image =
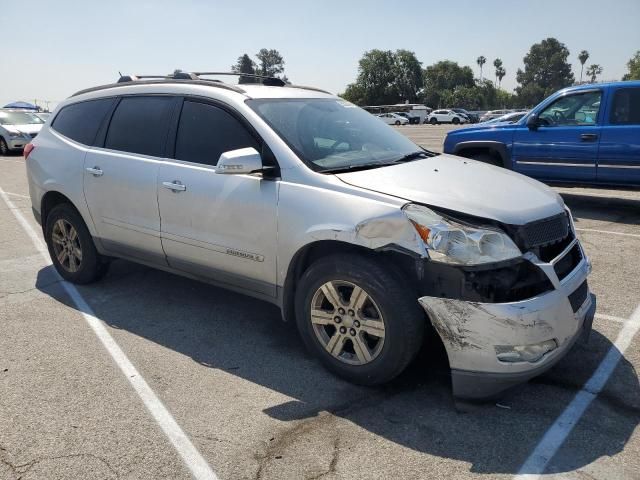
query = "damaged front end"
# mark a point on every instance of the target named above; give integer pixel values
(505, 322)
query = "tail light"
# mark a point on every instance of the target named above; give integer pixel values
(28, 148)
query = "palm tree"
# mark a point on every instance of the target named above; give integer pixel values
(498, 64)
(593, 71)
(481, 60)
(583, 57)
(500, 73)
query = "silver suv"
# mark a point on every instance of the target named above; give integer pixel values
(366, 241)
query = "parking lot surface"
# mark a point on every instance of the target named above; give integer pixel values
(255, 405)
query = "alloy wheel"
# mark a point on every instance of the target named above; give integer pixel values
(347, 322)
(66, 245)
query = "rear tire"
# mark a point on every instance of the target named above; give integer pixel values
(71, 246)
(383, 326)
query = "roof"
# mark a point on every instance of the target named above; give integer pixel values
(591, 86)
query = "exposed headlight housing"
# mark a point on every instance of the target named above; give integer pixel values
(448, 241)
(16, 134)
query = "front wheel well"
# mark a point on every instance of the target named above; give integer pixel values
(402, 265)
(473, 152)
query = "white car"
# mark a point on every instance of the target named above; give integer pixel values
(393, 119)
(446, 116)
(17, 128)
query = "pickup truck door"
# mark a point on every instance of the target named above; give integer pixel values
(221, 227)
(619, 155)
(564, 146)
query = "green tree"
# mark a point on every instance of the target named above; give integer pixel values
(545, 70)
(386, 77)
(498, 64)
(593, 71)
(244, 64)
(481, 60)
(634, 68)
(442, 78)
(270, 62)
(500, 73)
(583, 57)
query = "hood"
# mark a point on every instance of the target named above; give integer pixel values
(465, 186)
(29, 128)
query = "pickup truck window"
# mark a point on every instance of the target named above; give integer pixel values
(626, 107)
(577, 109)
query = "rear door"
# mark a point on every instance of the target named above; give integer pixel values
(619, 155)
(565, 145)
(218, 226)
(121, 174)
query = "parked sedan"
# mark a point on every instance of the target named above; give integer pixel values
(412, 118)
(393, 119)
(446, 116)
(17, 128)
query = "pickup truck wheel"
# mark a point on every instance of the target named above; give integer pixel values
(433, 121)
(486, 158)
(71, 247)
(355, 316)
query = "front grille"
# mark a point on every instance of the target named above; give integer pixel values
(567, 263)
(577, 298)
(546, 231)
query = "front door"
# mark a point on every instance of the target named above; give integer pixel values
(619, 155)
(564, 147)
(120, 178)
(218, 226)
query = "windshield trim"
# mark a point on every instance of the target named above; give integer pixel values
(301, 156)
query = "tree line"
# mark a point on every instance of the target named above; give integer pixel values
(387, 77)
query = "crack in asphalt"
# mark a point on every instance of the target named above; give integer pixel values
(5, 294)
(23, 468)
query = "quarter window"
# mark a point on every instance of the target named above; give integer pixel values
(205, 132)
(139, 125)
(626, 107)
(81, 121)
(578, 109)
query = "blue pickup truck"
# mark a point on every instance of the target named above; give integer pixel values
(583, 135)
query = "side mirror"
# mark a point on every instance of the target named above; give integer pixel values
(243, 160)
(532, 122)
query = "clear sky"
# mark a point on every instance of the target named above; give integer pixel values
(53, 48)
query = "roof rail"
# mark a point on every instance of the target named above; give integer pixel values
(266, 80)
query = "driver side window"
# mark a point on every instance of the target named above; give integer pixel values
(578, 109)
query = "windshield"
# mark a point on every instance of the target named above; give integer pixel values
(19, 118)
(333, 134)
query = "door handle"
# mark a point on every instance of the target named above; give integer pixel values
(176, 186)
(95, 171)
(589, 137)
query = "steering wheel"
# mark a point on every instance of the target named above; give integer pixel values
(558, 116)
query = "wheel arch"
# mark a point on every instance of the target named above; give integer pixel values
(401, 263)
(496, 149)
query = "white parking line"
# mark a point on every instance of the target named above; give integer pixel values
(555, 436)
(611, 318)
(194, 461)
(609, 232)
(17, 195)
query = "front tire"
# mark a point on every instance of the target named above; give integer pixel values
(433, 121)
(455, 121)
(358, 319)
(71, 246)
(4, 148)
(397, 123)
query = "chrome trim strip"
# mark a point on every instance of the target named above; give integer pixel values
(564, 252)
(556, 164)
(607, 165)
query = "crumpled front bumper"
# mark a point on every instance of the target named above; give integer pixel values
(471, 331)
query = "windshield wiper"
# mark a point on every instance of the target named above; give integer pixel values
(414, 156)
(354, 168)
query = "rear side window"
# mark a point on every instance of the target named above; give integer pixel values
(206, 131)
(626, 107)
(81, 121)
(139, 125)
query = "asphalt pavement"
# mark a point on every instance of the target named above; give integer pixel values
(255, 404)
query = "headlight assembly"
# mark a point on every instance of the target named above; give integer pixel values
(448, 241)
